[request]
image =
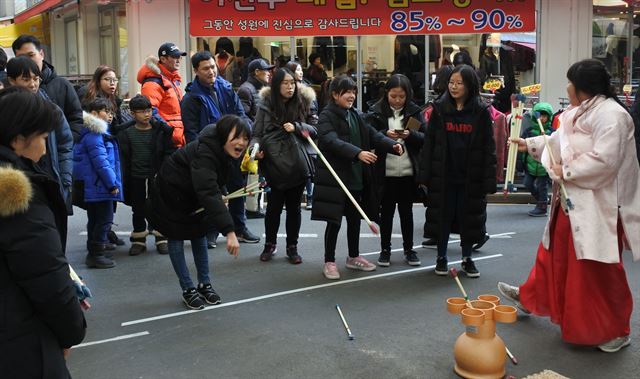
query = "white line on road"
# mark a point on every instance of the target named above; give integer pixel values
(301, 235)
(498, 236)
(298, 290)
(119, 338)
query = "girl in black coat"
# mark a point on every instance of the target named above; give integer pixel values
(458, 167)
(400, 119)
(186, 202)
(41, 315)
(346, 142)
(282, 117)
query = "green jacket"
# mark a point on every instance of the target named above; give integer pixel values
(534, 167)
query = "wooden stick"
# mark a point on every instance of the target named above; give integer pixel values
(553, 162)
(238, 195)
(373, 228)
(516, 126)
(344, 322)
(246, 188)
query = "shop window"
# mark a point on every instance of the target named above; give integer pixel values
(616, 41)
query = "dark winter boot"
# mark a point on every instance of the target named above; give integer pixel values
(114, 239)
(138, 243)
(540, 210)
(96, 257)
(161, 243)
(292, 255)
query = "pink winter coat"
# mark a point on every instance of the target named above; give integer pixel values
(596, 148)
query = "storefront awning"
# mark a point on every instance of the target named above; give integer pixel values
(43, 6)
(33, 26)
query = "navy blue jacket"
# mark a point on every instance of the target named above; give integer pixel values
(199, 109)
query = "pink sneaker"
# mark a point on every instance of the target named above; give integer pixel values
(330, 271)
(359, 263)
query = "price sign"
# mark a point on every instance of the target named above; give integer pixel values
(492, 85)
(531, 90)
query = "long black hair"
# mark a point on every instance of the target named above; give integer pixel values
(441, 81)
(286, 110)
(24, 113)
(396, 81)
(471, 84)
(591, 77)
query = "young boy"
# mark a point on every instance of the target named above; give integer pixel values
(96, 173)
(346, 142)
(536, 178)
(144, 143)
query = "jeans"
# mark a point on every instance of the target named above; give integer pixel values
(237, 180)
(353, 231)
(278, 198)
(397, 190)
(200, 258)
(538, 185)
(454, 210)
(99, 221)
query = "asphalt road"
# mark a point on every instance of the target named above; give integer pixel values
(278, 320)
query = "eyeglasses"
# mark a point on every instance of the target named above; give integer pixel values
(111, 80)
(456, 84)
(35, 79)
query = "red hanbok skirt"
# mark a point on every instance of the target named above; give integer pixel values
(590, 300)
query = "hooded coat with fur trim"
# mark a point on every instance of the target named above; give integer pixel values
(39, 311)
(96, 162)
(162, 87)
(277, 143)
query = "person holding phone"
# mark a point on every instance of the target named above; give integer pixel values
(400, 119)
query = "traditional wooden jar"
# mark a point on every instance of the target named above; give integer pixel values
(479, 352)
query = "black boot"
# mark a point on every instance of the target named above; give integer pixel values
(114, 239)
(96, 257)
(292, 254)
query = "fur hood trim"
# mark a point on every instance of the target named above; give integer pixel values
(153, 64)
(308, 94)
(94, 124)
(15, 191)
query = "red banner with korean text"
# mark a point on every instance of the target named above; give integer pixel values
(358, 17)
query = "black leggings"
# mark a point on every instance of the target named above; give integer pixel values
(397, 190)
(454, 209)
(353, 231)
(277, 199)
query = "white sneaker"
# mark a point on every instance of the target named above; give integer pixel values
(615, 344)
(359, 263)
(330, 271)
(512, 294)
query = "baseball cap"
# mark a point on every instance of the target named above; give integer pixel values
(171, 50)
(259, 64)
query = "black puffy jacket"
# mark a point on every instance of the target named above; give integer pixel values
(161, 147)
(186, 195)
(334, 141)
(39, 311)
(62, 93)
(480, 178)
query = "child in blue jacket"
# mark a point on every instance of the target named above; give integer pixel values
(96, 173)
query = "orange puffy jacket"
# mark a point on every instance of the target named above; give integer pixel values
(166, 97)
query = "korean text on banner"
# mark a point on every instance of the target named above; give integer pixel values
(359, 17)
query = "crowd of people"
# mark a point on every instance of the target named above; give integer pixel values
(173, 156)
